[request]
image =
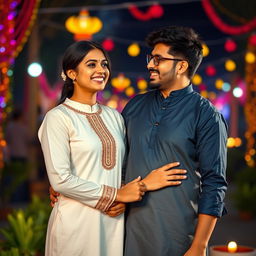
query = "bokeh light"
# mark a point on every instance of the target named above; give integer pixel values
(34, 69)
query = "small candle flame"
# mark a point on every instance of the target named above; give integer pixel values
(232, 246)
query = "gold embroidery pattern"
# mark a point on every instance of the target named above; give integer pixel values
(107, 198)
(106, 138)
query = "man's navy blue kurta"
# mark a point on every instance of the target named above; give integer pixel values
(186, 128)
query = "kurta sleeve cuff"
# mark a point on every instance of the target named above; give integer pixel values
(212, 208)
(107, 198)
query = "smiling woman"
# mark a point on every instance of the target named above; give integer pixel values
(90, 76)
(83, 146)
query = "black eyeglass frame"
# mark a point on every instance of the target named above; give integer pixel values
(149, 57)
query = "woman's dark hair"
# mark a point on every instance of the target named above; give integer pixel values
(183, 42)
(73, 55)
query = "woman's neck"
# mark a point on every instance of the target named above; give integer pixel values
(89, 99)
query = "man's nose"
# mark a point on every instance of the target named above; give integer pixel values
(150, 64)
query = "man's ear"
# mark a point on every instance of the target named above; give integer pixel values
(182, 67)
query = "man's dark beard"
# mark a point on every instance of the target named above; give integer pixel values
(153, 86)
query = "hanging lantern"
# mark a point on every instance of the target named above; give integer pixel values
(197, 79)
(120, 82)
(219, 83)
(230, 45)
(210, 70)
(142, 84)
(250, 57)
(133, 50)
(108, 44)
(230, 65)
(206, 50)
(83, 26)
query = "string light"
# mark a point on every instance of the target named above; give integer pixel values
(250, 57)
(230, 45)
(250, 108)
(206, 50)
(230, 65)
(14, 35)
(219, 83)
(133, 50)
(197, 79)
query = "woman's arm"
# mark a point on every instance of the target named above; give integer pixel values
(54, 138)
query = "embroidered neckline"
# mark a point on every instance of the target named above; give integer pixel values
(82, 112)
(107, 140)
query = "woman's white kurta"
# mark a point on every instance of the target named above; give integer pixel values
(83, 148)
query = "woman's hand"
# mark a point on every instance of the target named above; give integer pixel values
(131, 192)
(53, 196)
(163, 177)
(116, 209)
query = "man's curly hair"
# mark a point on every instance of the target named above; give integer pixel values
(184, 42)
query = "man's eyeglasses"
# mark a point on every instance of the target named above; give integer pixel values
(157, 59)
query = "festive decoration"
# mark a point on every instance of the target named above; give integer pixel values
(142, 84)
(83, 26)
(197, 79)
(204, 94)
(226, 87)
(238, 92)
(230, 45)
(250, 57)
(52, 92)
(16, 20)
(212, 96)
(206, 50)
(108, 44)
(234, 142)
(129, 91)
(228, 13)
(48, 94)
(133, 50)
(210, 70)
(34, 69)
(154, 11)
(120, 82)
(230, 65)
(219, 84)
(252, 39)
(202, 87)
(216, 20)
(250, 108)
